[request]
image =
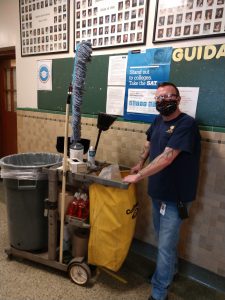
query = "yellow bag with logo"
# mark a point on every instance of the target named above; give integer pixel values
(112, 218)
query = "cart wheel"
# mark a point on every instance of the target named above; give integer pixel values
(9, 256)
(79, 273)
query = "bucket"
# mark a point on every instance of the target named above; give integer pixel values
(80, 243)
(77, 152)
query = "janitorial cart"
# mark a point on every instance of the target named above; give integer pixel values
(107, 210)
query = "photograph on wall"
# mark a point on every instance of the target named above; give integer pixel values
(110, 23)
(188, 19)
(44, 26)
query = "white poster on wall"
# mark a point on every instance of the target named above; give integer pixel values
(117, 70)
(115, 100)
(116, 84)
(44, 75)
(189, 100)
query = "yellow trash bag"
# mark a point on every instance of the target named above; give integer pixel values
(112, 218)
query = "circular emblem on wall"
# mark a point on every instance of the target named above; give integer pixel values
(44, 73)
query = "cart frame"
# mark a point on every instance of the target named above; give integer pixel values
(49, 258)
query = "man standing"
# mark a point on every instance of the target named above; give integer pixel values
(173, 147)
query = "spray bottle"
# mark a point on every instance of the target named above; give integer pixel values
(91, 156)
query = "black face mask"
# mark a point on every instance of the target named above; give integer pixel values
(166, 107)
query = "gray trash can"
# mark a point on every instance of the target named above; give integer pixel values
(25, 182)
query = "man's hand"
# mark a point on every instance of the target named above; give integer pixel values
(136, 168)
(131, 178)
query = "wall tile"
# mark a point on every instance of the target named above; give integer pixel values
(202, 239)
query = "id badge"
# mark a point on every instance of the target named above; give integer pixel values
(163, 209)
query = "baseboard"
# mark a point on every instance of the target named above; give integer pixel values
(145, 257)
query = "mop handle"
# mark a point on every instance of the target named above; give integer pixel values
(64, 174)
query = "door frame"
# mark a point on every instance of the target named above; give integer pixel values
(6, 53)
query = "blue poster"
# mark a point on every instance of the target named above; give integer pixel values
(145, 70)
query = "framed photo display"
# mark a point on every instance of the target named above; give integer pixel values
(110, 23)
(188, 19)
(44, 26)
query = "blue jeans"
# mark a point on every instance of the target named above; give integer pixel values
(167, 228)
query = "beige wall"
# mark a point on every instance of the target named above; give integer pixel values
(203, 235)
(9, 23)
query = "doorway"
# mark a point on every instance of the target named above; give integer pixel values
(8, 102)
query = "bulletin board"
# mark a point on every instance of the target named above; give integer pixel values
(95, 91)
(208, 75)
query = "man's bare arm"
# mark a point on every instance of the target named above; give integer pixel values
(142, 158)
(155, 166)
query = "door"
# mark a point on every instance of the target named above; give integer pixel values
(8, 119)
